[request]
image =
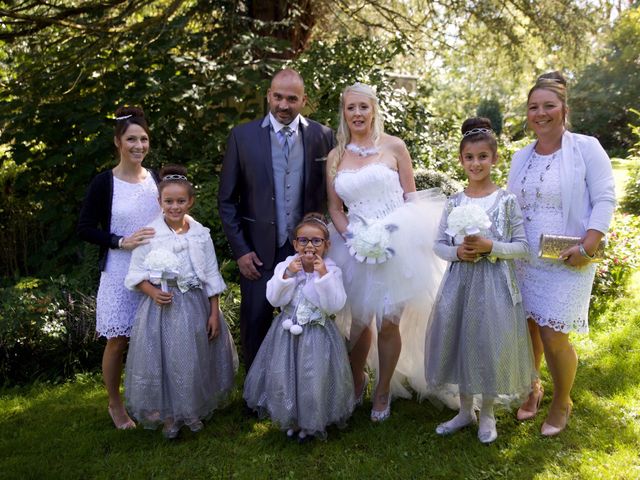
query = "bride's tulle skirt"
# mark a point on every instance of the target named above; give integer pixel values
(401, 290)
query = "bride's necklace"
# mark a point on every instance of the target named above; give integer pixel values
(362, 151)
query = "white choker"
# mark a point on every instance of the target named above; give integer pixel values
(362, 151)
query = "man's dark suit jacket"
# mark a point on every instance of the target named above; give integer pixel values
(246, 196)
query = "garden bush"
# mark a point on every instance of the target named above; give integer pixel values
(47, 331)
(631, 202)
(427, 178)
(620, 260)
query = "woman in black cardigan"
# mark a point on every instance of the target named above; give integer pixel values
(117, 206)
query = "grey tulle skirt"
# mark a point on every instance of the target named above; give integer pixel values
(302, 381)
(173, 371)
(477, 340)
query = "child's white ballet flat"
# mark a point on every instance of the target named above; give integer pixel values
(195, 426)
(456, 423)
(487, 432)
(171, 431)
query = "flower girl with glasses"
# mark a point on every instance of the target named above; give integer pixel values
(182, 361)
(301, 376)
(477, 344)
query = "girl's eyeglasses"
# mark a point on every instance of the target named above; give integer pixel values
(315, 241)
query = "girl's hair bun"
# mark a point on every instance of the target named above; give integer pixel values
(173, 169)
(173, 173)
(475, 122)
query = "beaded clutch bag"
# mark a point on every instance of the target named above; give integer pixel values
(552, 245)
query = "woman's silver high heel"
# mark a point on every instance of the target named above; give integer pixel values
(378, 416)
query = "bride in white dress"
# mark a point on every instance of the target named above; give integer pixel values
(383, 245)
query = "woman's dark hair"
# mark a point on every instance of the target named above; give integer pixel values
(478, 129)
(173, 173)
(314, 219)
(126, 116)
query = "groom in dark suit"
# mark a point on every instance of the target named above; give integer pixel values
(272, 174)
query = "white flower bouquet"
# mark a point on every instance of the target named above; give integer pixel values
(468, 219)
(163, 265)
(369, 242)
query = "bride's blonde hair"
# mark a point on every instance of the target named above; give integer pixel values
(377, 128)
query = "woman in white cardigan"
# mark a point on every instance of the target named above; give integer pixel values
(564, 184)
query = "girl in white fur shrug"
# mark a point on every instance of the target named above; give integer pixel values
(182, 361)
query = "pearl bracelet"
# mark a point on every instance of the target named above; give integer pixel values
(584, 253)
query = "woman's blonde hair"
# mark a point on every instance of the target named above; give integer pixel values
(555, 83)
(377, 128)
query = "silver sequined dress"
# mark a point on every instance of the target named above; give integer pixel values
(303, 381)
(173, 371)
(477, 341)
(554, 295)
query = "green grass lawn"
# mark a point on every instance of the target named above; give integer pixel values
(621, 174)
(63, 431)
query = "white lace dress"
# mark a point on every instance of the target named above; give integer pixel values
(403, 288)
(134, 206)
(553, 294)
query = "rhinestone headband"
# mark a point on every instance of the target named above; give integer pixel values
(124, 117)
(174, 176)
(473, 131)
(314, 219)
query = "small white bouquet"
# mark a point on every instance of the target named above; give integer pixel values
(467, 220)
(369, 242)
(163, 265)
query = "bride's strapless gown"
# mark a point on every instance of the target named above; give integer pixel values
(403, 288)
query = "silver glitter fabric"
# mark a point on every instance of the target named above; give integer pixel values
(173, 371)
(477, 341)
(301, 381)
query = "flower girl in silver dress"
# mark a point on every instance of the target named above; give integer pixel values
(182, 361)
(477, 342)
(301, 376)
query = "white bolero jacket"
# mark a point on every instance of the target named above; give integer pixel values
(202, 254)
(586, 176)
(326, 293)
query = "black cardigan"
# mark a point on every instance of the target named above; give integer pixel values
(94, 224)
